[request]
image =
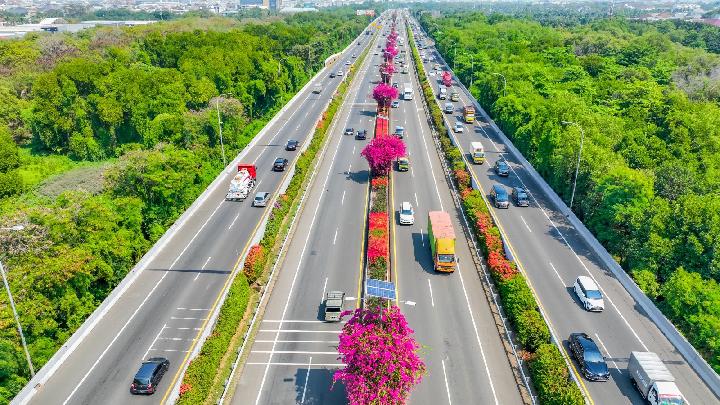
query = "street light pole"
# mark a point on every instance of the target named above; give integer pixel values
(12, 305)
(504, 82)
(472, 68)
(577, 166)
(222, 145)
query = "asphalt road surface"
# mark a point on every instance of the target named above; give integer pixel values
(553, 255)
(295, 353)
(167, 306)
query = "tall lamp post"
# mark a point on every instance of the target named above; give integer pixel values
(504, 82)
(217, 107)
(577, 166)
(12, 305)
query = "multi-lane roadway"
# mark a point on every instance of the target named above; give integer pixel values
(294, 353)
(552, 255)
(166, 308)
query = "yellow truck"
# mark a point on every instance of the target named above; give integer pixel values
(469, 114)
(478, 153)
(442, 241)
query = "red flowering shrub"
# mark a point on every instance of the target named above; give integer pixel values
(253, 262)
(185, 388)
(501, 267)
(381, 357)
(379, 182)
(463, 179)
(378, 220)
(377, 247)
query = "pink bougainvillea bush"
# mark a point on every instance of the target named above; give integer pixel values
(384, 94)
(381, 357)
(381, 152)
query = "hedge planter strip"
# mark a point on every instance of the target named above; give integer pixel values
(205, 377)
(549, 372)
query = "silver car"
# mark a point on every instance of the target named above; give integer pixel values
(261, 199)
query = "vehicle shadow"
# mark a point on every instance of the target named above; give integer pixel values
(315, 386)
(421, 251)
(360, 177)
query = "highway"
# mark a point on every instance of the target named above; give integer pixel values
(166, 308)
(294, 353)
(552, 254)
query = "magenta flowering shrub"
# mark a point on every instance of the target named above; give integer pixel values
(381, 152)
(381, 357)
(384, 93)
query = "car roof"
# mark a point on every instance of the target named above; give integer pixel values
(261, 194)
(587, 343)
(146, 369)
(405, 205)
(498, 188)
(587, 282)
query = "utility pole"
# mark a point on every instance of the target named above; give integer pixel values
(577, 166)
(222, 145)
(14, 310)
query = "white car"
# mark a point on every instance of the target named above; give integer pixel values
(458, 127)
(339, 73)
(407, 214)
(589, 294)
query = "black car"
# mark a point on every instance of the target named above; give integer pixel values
(280, 164)
(349, 131)
(591, 361)
(291, 144)
(149, 375)
(502, 168)
(520, 197)
(395, 84)
(361, 134)
(332, 75)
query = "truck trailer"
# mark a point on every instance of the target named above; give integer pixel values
(441, 236)
(242, 183)
(478, 153)
(652, 378)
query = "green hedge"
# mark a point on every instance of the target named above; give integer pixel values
(198, 384)
(202, 370)
(549, 372)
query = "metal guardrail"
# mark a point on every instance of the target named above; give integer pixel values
(681, 344)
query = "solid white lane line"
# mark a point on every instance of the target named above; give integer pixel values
(432, 300)
(291, 352)
(300, 331)
(477, 336)
(526, 224)
(342, 202)
(307, 377)
(297, 268)
(185, 328)
(296, 364)
(557, 274)
(233, 221)
(417, 204)
(353, 150)
(422, 237)
(322, 297)
(202, 268)
(606, 351)
(299, 341)
(447, 386)
(412, 172)
(193, 309)
(335, 237)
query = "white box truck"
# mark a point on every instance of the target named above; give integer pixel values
(652, 378)
(407, 92)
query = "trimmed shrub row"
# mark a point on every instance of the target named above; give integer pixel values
(549, 372)
(199, 383)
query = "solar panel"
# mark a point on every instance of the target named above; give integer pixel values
(380, 288)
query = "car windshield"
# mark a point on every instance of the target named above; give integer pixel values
(446, 258)
(522, 196)
(141, 381)
(592, 356)
(259, 198)
(406, 212)
(593, 294)
(671, 401)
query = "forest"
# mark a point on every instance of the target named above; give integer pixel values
(108, 135)
(648, 99)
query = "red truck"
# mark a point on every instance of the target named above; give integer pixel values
(447, 78)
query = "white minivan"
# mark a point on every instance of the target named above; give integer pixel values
(589, 294)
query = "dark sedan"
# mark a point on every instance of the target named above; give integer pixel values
(149, 375)
(588, 355)
(502, 168)
(361, 134)
(280, 164)
(291, 144)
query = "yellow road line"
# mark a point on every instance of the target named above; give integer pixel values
(391, 214)
(527, 279)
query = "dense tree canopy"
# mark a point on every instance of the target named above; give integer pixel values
(649, 177)
(138, 108)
